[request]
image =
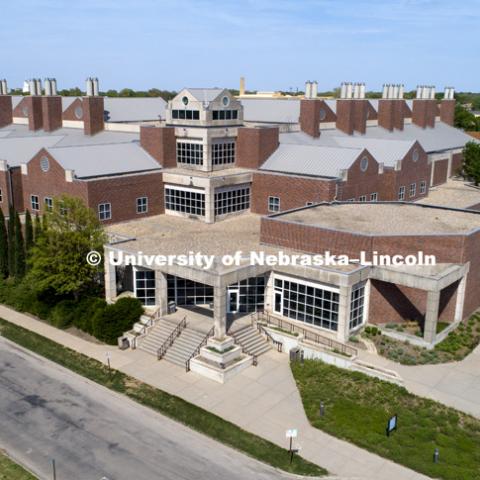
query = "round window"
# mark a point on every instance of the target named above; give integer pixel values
(364, 164)
(185, 100)
(25, 111)
(225, 101)
(415, 155)
(323, 114)
(44, 164)
(78, 112)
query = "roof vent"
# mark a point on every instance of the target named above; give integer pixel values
(393, 91)
(308, 89)
(92, 87)
(448, 95)
(3, 87)
(425, 92)
(352, 90)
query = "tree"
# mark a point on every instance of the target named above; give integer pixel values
(11, 241)
(28, 232)
(19, 249)
(37, 229)
(58, 260)
(471, 161)
(3, 247)
(465, 119)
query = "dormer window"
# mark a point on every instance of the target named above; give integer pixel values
(224, 114)
(185, 100)
(225, 101)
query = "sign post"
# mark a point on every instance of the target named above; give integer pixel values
(392, 424)
(291, 434)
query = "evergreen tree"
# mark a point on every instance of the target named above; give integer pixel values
(28, 232)
(11, 242)
(19, 249)
(37, 228)
(3, 247)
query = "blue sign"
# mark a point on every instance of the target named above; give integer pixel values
(392, 424)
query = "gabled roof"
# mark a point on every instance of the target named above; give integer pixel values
(205, 94)
(311, 160)
(18, 150)
(134, 109)
(103, 160)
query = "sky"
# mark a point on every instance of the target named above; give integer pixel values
(274, 44)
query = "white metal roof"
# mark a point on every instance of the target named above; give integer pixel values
(103, 160)
(134, 109)
(205, 94)
(271, 110)
(16, 151)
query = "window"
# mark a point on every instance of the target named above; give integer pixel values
(413, 189)
(35, 202)
(104, 211)
(44, 164)
(142, 205)
(186, 114)
(188, 292)
(223, 152)
(190, 153)
(273, 204)
(362, 198)
(251, 294)
(423, 187)
(48, 204)
(401, 193)
(373, 197)
(145, 286)
(1, 196)
(185, 201)
(224, 114)
(364, 164)
(232, 199)
(307, 302)
(356, 306)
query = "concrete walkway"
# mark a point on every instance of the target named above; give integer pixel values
(456, 384)
(263, 400)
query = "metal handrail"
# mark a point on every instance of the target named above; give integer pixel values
(197, 350)
(171, 338)
(270, 338)
(307, 334)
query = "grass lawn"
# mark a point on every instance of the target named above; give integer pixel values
(456, 346)
(169, 405)
(357, 408)
(11, 471)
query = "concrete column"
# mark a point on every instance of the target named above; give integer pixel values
(161, 293)
(431, 316)
(110, 279)
(449, 168)
(269, 292)
(210, 204)
(432, 172)
(220, 312)
(460, 302)
(366, 301)
(344, 313)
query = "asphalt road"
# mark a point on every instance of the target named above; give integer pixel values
(48, 412)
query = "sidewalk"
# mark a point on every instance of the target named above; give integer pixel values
(456, 384)
(263, 400)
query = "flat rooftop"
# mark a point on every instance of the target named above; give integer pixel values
(454, 193)
(174, 235)
(385, 218)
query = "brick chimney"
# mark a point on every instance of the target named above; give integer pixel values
(160, 143)
(352, 109)
(447, 106)
(93, 109)
(6, 107)
(51, 106)
(425, 107)
(255, 145)
(391, 107)
(310, 116)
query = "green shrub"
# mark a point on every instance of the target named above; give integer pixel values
(62, 314)
(86, 310)
(111, 322)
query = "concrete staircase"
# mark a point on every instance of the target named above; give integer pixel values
(252, 342)
(184, 346)
(157, 336)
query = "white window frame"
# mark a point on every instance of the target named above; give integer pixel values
(273, 208)
(423, 187)
(374, 197)
(48, 202)
(201, 192)
(104, 212)
(362, 198)
(139, 206)
(401, 193)
(186, 152)
(232, 199)
(413, 190)
(35, 202)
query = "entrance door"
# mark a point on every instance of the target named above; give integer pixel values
(277, 305)
(233, 298)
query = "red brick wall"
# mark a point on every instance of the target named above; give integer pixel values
(5, 190)
(310, 118)
(440, 171)
(457, 162)
(17, 188)
(49, 184)
(52, 113)
(293, 191)
(447, 111)
(391, 114)
(412, 172)
(372, 114)
(35, 115)
(160, 143)
(122, 193)
(18, 110)
(93, 115)
(255, 145)
(424, 113)
(344, 112)
(69, 113)
(472, 291)
(6, 110)
(360, 111)
(361, 183)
